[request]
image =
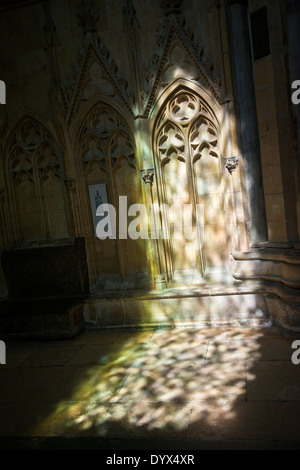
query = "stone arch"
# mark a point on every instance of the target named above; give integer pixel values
(187, 147)
(105, 153)
(31, 151)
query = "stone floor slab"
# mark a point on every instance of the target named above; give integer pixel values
(233, 351)
(192, 336)
(17, 353)
(185, 380)
(54, 355)
(98, 337)
(245, 332)
(94, 354)
(206, 385)
(34, 384)
(97, 383)
(149, 419)
(133, 338)
(244, 421)
(273, 381)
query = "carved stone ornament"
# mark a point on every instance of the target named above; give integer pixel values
(70, 184)
(232, 164)
(49, 33)
(148, 175)
(129, 14)
(88, 15)
(171, 6)
(177, 55)
(98, 72)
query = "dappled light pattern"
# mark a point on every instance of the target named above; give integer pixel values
(189, 168)
(151, 383)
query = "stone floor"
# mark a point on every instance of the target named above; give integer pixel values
(179, 388)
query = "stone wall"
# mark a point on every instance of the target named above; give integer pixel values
(162, 102)
(98, 94)
(277, 138)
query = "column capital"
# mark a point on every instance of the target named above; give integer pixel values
(148, 175)
(232, 164)
(70, 184)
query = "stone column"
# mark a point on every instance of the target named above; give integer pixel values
(71, 185)
(159, 278)
(245, 94)
(293, 31)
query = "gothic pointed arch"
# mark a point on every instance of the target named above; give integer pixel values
(36, 203)
(178, 57)
(105, 154)
(98, 75)
(187, 148)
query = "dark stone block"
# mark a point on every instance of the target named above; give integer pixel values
(41, 319)
(51, 271)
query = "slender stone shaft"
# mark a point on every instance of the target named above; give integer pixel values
(257, 227)
(293, 31)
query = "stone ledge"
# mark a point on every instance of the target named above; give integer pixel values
(268, 265)
(173, 310)
(66, 318)
(278, 269)
(286, 315)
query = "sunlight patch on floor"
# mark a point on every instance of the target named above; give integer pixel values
(151, 382)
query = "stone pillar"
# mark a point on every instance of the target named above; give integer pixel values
(245, 94)
(293, 31)
(159, 278)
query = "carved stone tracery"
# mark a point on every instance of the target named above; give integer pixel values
(88, 15)
(178, 55)
(32, 152)
(186, 109)
(98, 73)
(186, 133)
(35, 178)
(203, 136)
(105, 140)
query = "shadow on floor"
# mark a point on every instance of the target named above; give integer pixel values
(182, 388)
